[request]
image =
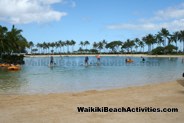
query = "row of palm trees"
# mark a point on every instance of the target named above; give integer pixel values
(162, 39)
(60, 46)
(12, 41)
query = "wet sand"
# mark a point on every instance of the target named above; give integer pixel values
(128, 55)
(62, 108)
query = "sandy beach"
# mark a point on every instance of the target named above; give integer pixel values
(62, 108)
(128, 55)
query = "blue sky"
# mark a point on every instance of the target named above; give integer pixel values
(92, 20)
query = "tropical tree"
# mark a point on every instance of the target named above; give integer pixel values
(61, 44)
(95, 45)
(174, 38)
(104, 44)
(159, 40)
(86, 43)
(170, 48)
(114, 46)
(181, 37)
(72, 42)
(81, 44)
(46, 47)
(149, 40)
(165, 34)
(39, 46)
(31, 45)
(67, 44)
(17, 42)
(141, 44)
(3, 41)
(52, 45)
(136, 43)
(128, 45)
(57, 45)
(100, 46)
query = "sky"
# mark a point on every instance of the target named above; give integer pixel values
(92, 20)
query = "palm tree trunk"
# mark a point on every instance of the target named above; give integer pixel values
(68, 49)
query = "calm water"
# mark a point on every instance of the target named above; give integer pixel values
(71, 76)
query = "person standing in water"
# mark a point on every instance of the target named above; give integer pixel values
(98, 59)
(143, 60)
(86, 60)
(51, 60)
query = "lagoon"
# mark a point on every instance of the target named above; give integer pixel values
(70, 75)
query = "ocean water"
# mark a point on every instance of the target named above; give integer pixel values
(71, 75)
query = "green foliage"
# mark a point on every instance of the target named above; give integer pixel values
(13, 59)
(158, 51)
(12, 41)
(128, 45)
(114, 45)
(94, 51)
(169, 49)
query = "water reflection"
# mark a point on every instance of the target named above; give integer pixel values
(11, 81)
(37, 77)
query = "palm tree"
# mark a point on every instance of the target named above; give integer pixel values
(57, 45)
(12, 41)
(136, 42)
(81, 44)
(141, 44)
(159, 39)
(149, 40)
(67, 44)
(104, 44)
(86, 43)
(52, 45)
(181, 37)
(31, 45)
(117, 45)
(95, 45)
(3, 43)
(45, 47)
(176, 37)
(100, 46)
(128, 45)
(165, 34)
(17, 41)
(72, 42)
(38, 45)
(61, 44)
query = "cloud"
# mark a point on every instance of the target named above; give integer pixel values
(73, 4)
(170, 13)
(173, 25)
(28, 11)
(170, 18)
(69, 3)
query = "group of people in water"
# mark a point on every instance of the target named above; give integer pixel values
(129, 60)
(86, 60)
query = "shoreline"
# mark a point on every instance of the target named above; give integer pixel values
(62, 107)
(125, 55)
(86, 91)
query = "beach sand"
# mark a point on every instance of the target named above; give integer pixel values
(126, 55)
(62, 108)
